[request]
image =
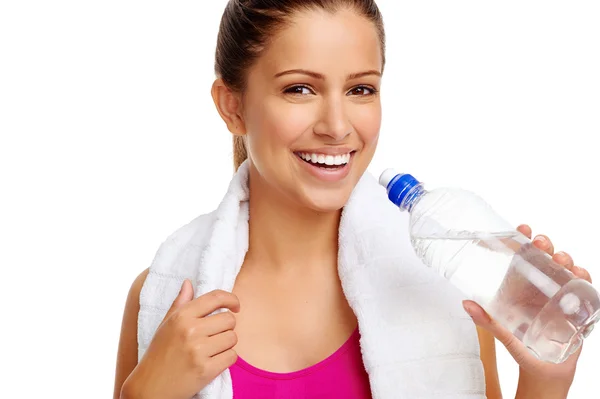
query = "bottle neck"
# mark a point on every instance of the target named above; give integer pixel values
(413, 196)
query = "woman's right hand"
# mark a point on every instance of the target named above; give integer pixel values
(190, 348)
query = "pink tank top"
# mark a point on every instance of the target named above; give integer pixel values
(341, 375)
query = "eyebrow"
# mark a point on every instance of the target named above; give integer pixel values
(320, 76)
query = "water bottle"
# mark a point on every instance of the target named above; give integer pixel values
(457, 233)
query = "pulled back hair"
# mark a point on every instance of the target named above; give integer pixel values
(246, 27)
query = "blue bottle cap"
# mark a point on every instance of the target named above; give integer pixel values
(398, 185)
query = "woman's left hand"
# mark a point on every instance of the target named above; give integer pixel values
(528, 362)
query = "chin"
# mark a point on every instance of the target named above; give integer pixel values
(326, 201)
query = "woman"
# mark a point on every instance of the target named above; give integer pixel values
(298, 87)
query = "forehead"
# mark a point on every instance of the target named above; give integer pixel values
(343, 42)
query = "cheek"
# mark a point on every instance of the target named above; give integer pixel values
(366, 120)
(277, 124)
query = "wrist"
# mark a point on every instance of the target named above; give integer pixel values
(534, 387)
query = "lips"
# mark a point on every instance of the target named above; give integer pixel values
(327, 167)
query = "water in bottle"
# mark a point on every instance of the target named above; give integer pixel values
(456, 233)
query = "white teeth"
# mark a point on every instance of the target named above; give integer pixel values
(325, 159)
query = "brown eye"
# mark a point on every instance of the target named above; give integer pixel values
(298, 90)
(362, 91)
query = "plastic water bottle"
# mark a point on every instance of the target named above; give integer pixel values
(456, 233)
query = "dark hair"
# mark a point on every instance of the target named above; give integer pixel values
(246, 27)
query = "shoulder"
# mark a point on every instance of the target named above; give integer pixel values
(137, 284)
(133, 297)
(132, 303)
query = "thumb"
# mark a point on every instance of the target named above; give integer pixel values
(186, 294)
(482, 319)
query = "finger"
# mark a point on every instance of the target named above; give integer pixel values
(211, 301)
(543, 242)
(221, 342)
(564, 259)
(525, 230)
(582, 273)
(219, 363)
(186, 295)
(217, 323)
(483, 320)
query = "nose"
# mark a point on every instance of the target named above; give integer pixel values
(334, 122)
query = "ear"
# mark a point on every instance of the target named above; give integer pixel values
(229, 105)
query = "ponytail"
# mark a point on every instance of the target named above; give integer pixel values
(239, 151)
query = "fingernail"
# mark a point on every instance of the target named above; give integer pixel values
(476, 313)
(540, 241)
(562, 257)
(576, 269)
(468, 308)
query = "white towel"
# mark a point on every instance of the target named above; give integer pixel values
(416, 339)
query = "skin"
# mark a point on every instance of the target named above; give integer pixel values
(289, 279)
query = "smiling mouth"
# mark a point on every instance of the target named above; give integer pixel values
(325, 161)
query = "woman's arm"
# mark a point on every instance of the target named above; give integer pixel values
(487, 346)
(532, 387)
(128, 346)
(529, 387)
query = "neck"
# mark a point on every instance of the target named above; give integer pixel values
(283, 234)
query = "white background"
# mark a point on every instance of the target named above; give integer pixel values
(110, 141)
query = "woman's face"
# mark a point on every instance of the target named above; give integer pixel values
(312, 110)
